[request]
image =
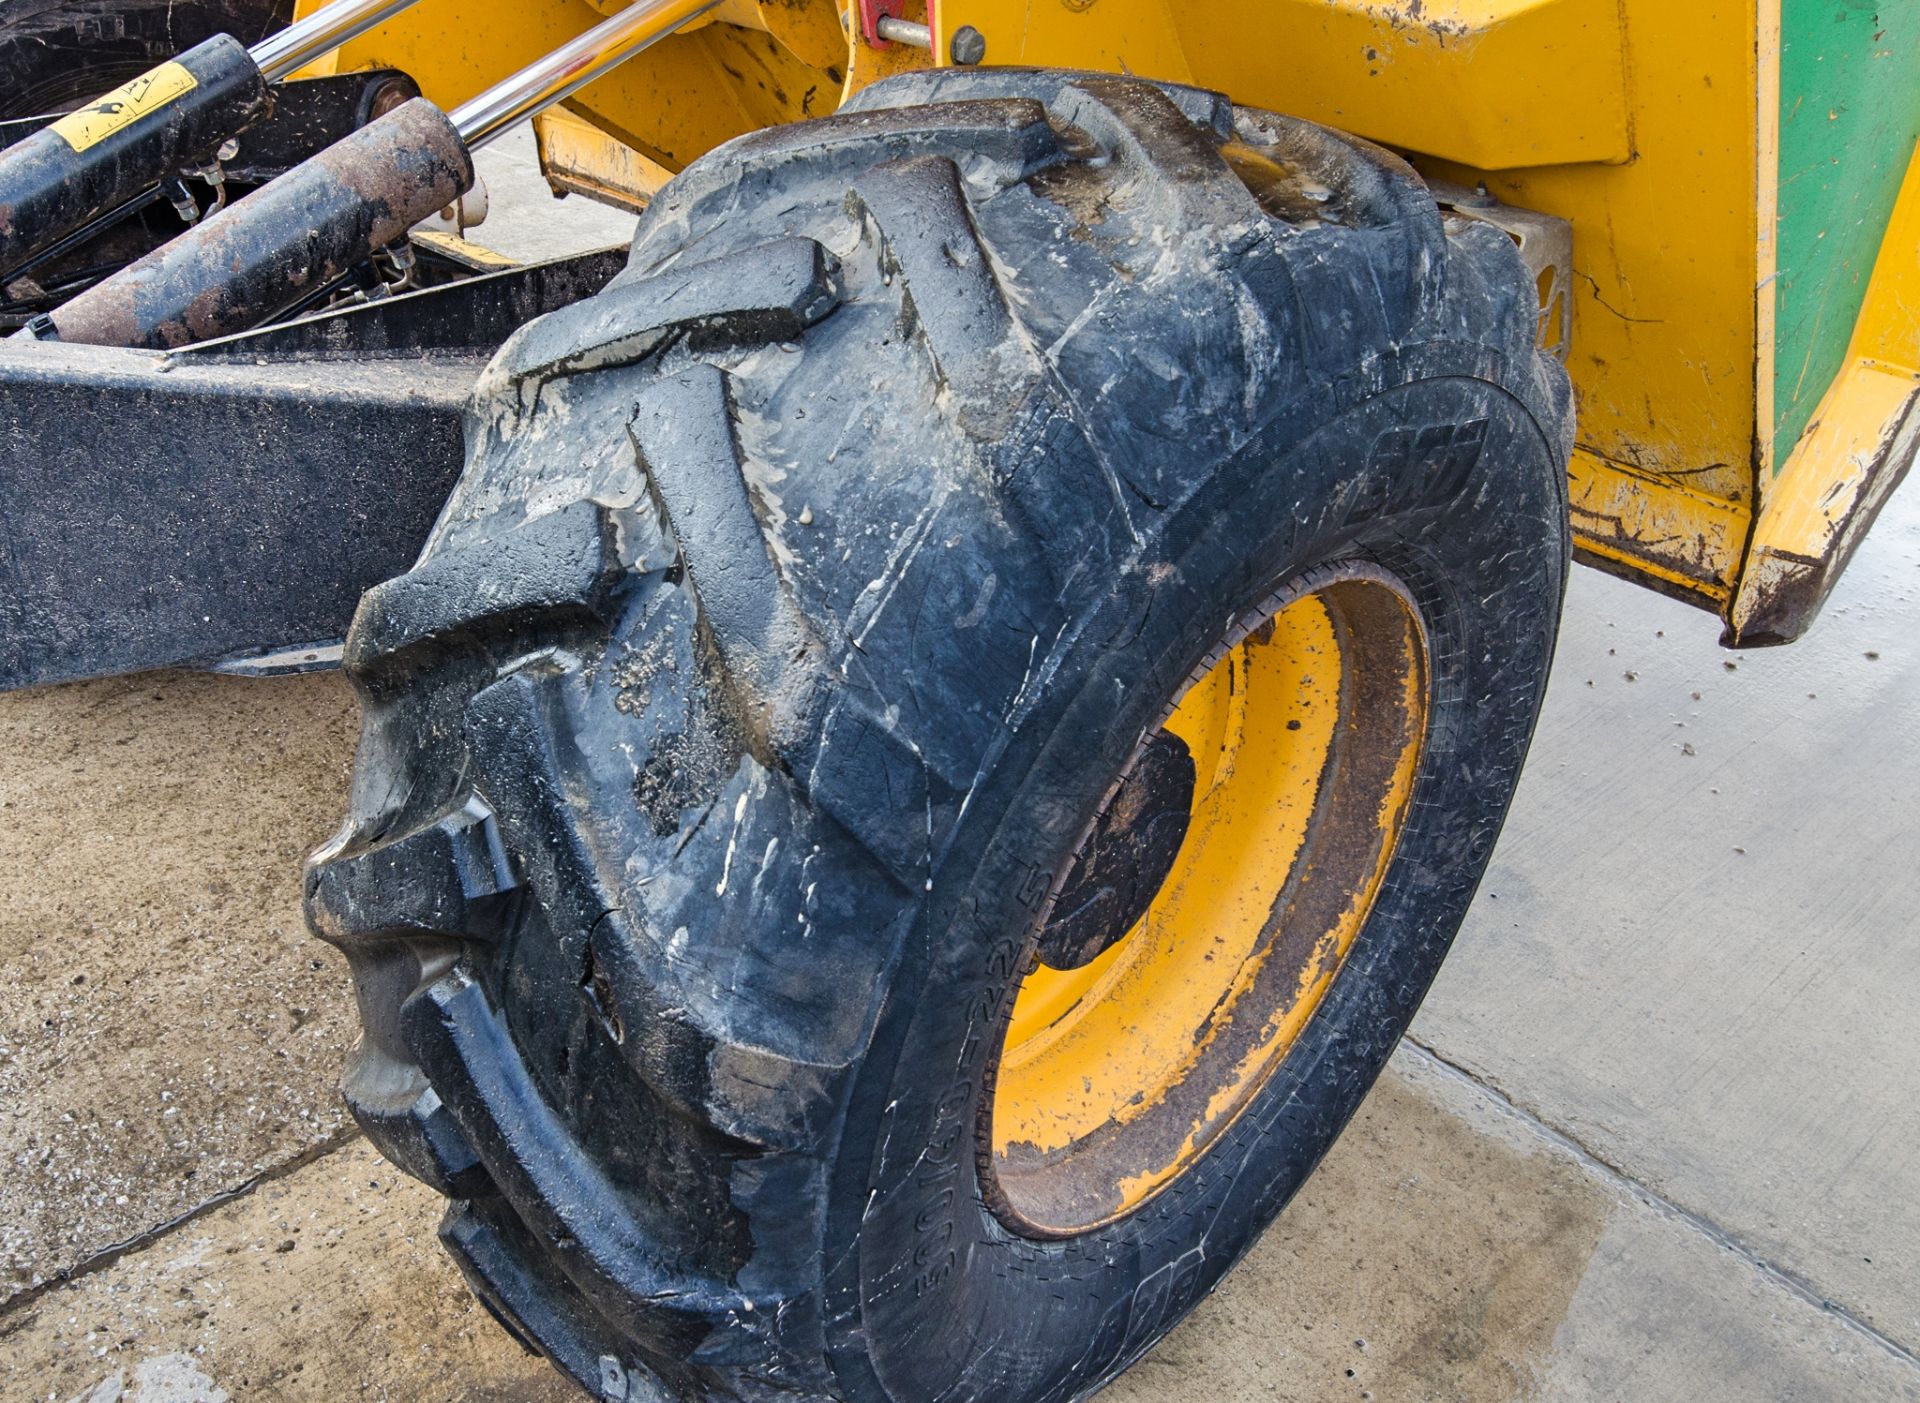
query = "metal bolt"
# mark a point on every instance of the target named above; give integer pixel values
(903, 31)
(969, 46)
(389, 95)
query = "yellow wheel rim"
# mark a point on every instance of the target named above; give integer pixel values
(1305, 727)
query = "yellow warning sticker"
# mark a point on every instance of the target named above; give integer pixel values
(123, 107)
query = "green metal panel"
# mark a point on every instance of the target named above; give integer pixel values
(1849, 116)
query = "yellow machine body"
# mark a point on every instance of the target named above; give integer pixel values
(1739, 176)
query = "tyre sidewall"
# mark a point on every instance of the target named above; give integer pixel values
(1438, 474)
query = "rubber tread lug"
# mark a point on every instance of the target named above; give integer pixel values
(1202, 106)
(861, 755)
(1052, 475)
(532, 1309)
(997, 142)
(1374, 190)
(559, 1193)
(1009, 132)
(425, 1142)
(918, 211)
(564, 563)
(771, 292)
(451, 878)
(509, 729)
(683, 426)
(691, 1065)
(754, 1096)
(1144, 128)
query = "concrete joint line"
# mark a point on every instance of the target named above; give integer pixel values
(1499, 1100)
(1793, 1284)
(140, 1241)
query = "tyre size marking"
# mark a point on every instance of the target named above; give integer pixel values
(1133, 1322)
(124, 106)
(1034, 886)
(1442, 456)
(954, 1124)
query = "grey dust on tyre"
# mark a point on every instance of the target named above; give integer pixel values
(943, 735)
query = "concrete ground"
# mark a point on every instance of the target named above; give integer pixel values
(1653, 1138)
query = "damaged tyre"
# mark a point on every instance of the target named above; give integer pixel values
(943, 735)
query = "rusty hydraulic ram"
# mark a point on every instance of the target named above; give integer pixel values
(296, 235)
(170, 119)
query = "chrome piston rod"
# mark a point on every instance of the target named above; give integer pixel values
(320, 33)
(571, 67)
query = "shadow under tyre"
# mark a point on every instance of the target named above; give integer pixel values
(943, 736)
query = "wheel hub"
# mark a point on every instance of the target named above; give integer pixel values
(1214, 903)
(1126, 859)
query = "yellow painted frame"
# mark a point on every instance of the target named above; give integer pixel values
(1653, 127)
(1815, 510)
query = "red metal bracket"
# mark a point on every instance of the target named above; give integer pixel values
(871, 12)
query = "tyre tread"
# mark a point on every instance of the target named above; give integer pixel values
(1061, 444)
